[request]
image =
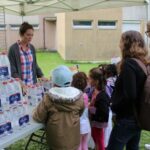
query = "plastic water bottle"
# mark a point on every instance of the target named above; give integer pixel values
(39, 93)
(23, 117)
(2, 124)
(15, 117)
(4, 67)
(28, 95)
(42, 90)
(32, 95)
(14, 92)
(47, 85)
(18, 87)
(7, 63)
(21, 109)
(4, 96)
(26, 104)
(20, 119)
(0, 103)
(8, 117)
(5, 102)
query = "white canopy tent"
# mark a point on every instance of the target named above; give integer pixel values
(31, 7)
(37, 7)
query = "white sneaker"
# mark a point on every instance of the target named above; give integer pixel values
(147, 146)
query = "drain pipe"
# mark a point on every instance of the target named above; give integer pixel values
(44, 43)
(5, 28)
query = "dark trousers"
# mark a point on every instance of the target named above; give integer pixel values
(125, 133)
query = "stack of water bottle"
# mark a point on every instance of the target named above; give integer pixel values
(12, 109)
(35, 94)
(47, 85)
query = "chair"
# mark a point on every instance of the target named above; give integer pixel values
(38, 139)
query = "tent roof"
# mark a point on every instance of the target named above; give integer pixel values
(31, 7)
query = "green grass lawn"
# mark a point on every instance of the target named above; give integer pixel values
(48, 61)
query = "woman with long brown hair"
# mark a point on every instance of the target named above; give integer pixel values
(127, 92)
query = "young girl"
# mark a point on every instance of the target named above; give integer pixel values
(80, 82)
(111, 76)
(99, 107)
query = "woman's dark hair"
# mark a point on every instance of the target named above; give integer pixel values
(24, 27)
(103, 68)
(79, 81)
(111, 70)
(98, 74)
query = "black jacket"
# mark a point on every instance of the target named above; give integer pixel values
(15, 63)
(102, 108)
(128, 89)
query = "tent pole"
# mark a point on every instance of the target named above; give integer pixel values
(44, 44)
(147, 19)
(5, 28)
(22, 18)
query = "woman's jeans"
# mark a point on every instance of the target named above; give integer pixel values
(125, 133)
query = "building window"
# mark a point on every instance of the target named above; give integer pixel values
(15, 26)
(107, 24)
(2, 27)
(35, 26)
(84, 24)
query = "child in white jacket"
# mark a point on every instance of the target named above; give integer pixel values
(80, 82)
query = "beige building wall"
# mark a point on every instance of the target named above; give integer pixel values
(76, 44)
(13, 36)
(89, 44)
(2, 39)
(61, 34)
